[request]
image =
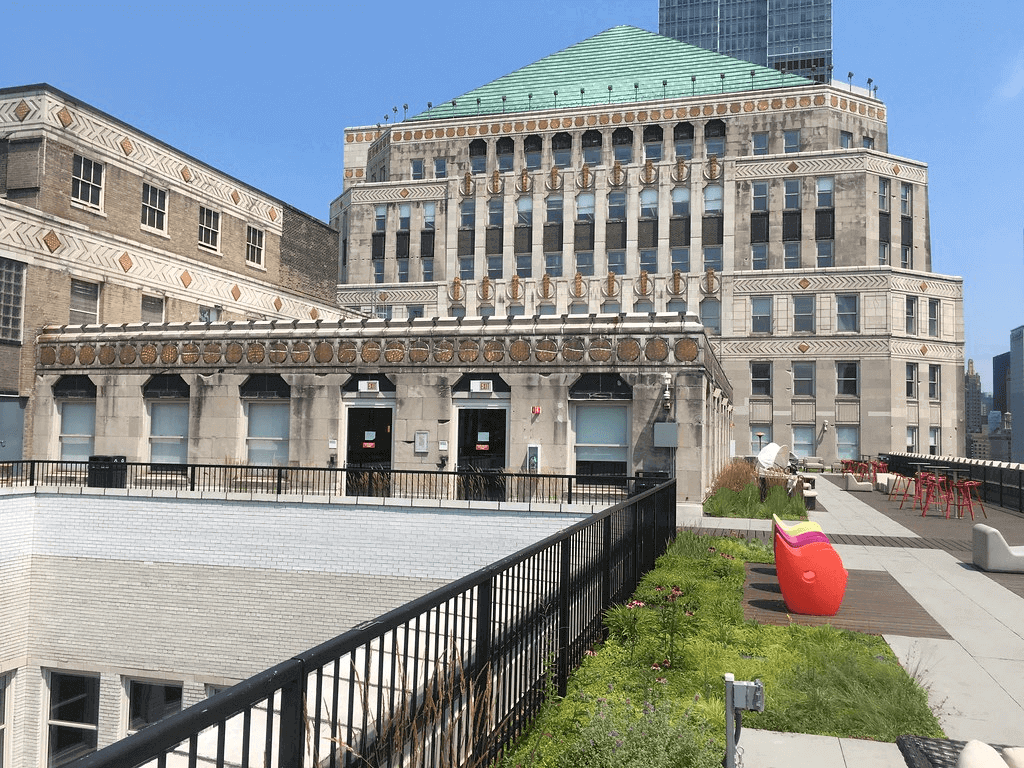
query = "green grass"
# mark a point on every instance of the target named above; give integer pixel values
(747, 503)
(652, 695)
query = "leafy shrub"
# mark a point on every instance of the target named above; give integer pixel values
(747, 504)
(736, 475)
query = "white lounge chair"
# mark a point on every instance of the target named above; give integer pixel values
(992, 553)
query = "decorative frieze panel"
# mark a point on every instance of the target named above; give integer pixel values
(927, 349)
(399, 193)
(898, 167)
(811, 282)
(933, 286)
(810, 347)
(801, 165)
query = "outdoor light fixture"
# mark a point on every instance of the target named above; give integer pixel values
(556, 99)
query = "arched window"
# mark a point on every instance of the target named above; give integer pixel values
(505, 149)
(561, 149)
(622, 145)
(648, 203)
(532, 147)
(652, 143)
(592, 147)
(682, 134)
(478, 156)
(714, 138)
(711, 316)
(681, 201)
(76, 404)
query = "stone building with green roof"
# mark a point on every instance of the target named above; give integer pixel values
(632, 173)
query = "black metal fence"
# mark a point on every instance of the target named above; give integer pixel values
(474, 485)
(1002, 483)
(447, 680)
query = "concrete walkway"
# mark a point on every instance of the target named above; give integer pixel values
(973, 680)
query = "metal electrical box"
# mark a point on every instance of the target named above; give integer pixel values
(533, 458)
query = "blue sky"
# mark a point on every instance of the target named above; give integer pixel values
(263, 92)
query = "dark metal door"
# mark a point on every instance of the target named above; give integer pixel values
(368, 457)
(481, 453)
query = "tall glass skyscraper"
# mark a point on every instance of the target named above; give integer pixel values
(789, 35)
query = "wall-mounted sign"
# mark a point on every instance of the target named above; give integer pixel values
(369, 385)
(481, 385)
(420, 445)
(482, 447)
(369, 445)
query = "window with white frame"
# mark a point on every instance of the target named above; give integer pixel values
(209, 227)
(168, 433)
(759, 255)
(554, 209)
(154, 207)
(532, 149)
(553, 263)
(713, 257)
(804, 379)
(649, 261)
(845, 139)
(416, 168)
(847, 313)
(427, 268)
(12, 298)
(761, 314)
(85, 299)
(429, 214)
(254, 246)
(585, 263)
(87, 182)
(803, 313)
(884, 191)
(524, 212)
(72, 719)
(616, 205)
(912, 381)
(150, 702)
(495, 213)
(209, 314)
(906, 257)
(759, 196)
(911, 314)
(378, 271)
(906, 199)
(934, 382)
(711, 316)
(617, 262)
(77, 429)
(403, 270)
(803, 440)
(380, 218)
(680, 260)
(267, 438)
(152, 309)
(848, 441)
(760, 436)
(791, 194)
(585, 206)
(759, 142)
(713, 199)
(883, 253)
(467, 268)
(648, 203)
(825, 186)
(912, 439)
(934, 441)
(848, 378)
(933, 317)
(791, 141)
(440, 167)
(791, 255)
(681, 201)
(495, 267)
(761, 379)
(868, 142)
(602, 439)
(826, 253)
(467, 214)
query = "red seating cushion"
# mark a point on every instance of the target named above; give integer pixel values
(812, 577)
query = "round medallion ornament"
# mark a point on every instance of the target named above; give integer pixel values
(190, 354)
(628, 350)
(47, 355)
(573, 349)
(469, 351)
(148, 354)
(278, 352)
(656, 350)
(87, 354)
(255, 353)
(444, 351)
(520, 350)
(211, 353)
(66, 355)
(370, 352)
(107, 355)
(347, 352)
(169, 354)
(419, 351)
(494, 351)
(127, 354)
(686, 350)
(300, 352)
(394, 352)
(547, 350)
(233, 353)
(600, 350)
(323, 352)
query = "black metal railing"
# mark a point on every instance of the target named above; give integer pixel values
(445, 681)
(473, 485)
(1002, 483)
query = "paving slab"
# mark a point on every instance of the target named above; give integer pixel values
(770, 749)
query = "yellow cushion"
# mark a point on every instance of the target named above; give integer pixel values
(798, 527)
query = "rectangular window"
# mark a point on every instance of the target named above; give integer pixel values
(467, 213)
(152, 309)
(85, 299)
(616, 206)
(553, 264)
(803, 440)
(495, 212)
(791, 141)
(380, 218)
(911, 315)
(680, 202)
(848, 378)
(803, 314)
(760, 142)
(684, 148)
(440, 168)
(803, 379)
(906, 199)
(934, 382)
(912, 381)
(87, 182)
(602, 439)
(209, 227)
(868, 142)
(77, 429)
(711, 316)
(72, 719)
(848, 441)
(554, 209)
(883, 254)
(254, 246)
(623, 153)
(154, 207)
(149, 703)
(713, 199)
(934, 441)
(524, 265)
(759, 255)
(933, 317)
(592, 155)
(681, 260)
(759, 196)
(585, 263)
(792, 194)
(791, 255)
(168, 433)
(467, 268)
(524, 211)
(825, 187)
(429, 215)
(761, 314)
(494, 267)
(427, 265)
(912, 439)
(267, 440)
(649, 204)
(649, 261)
(826, 253)
(12, 293)
(848, 313)
(760, 436)
(883, 194)
(761, 379)
(403, 270)
(845, 139)
(715, 145)
(412, 311)
(906, 257)
(378, 272)
(416, 168)
(713, 258)
(404, 217)
(209, 314)
(617, 262)
(477, 163)
(585, 206)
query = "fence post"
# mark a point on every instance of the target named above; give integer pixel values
(32, 472)
(480, 736)
(292, 737)
(192, 477)
(570, 489)
(606, 564)
(564, 581)
(280, 479)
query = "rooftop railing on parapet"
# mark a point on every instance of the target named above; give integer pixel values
(446, 681)
(329, 483)
(1002, 482)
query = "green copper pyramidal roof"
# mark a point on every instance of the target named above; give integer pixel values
(637, 65)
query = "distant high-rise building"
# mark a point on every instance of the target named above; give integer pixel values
(1015, 389)
(973, 414)
(789, 35)
(1000, 382)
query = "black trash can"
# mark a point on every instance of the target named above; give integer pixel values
(645, 480)
(107, 472)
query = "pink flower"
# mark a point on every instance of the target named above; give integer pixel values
(661, 680)
(656, 667)
(590, 652)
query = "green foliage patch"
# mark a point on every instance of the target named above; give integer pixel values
(747, 503)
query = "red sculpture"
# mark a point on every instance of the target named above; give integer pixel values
(812, 577)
